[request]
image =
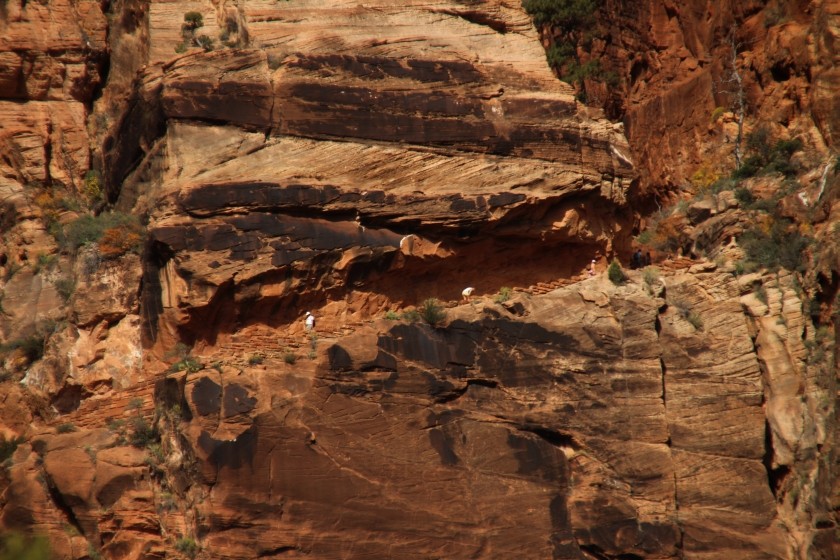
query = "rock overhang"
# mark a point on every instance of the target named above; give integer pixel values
(310, 163)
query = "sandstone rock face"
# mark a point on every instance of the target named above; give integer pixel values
(678, 62)
(330, 139)
(353, 160)
(608, 422)
(53, 50)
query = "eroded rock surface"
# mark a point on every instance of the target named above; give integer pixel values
(355, 159)
(594, 419)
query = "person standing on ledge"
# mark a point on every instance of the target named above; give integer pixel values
(309, 322)
(467, 293)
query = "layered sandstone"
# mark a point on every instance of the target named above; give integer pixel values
(654, 420)
(682, 68)
(353, 160)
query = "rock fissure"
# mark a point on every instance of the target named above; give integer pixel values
(457, 393)
(554, 437)
(477, 18)
(62, 505)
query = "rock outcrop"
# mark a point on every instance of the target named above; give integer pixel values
(161, 397)
(654, 418)
(682, 70)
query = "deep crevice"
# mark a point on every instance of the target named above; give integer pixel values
(554, 437)
(60, 504)
(478, 18)
(278, 550)
(664, 370)
(458, 393)
(775, 475)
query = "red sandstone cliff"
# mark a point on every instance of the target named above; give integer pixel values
(162, 399)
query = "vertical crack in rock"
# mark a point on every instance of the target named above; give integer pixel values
(657, 325)
(61, 504)
(48, 153)
(775, 475)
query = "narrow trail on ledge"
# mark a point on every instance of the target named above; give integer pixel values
(271, 345)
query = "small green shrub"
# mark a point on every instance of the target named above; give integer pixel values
(155, 451)
(143, 434)
(93, 188)
(15, 546)
(765, 157)
(44, 262)
(124, 233)
(503, 295)
(255, 359)
(761, 294)
(716, 114)
(784, 246)
(392, 315)
(66, 428)
(188, 364)
(185, 362)
(274, 61)
(558, 55)
(65, 286)
(723, 184)
(205, 42)
(174, 413)
(186, 546)
(432, 311)
(8, 447)
(84, 230)
(744, 197)
(567, 15)
(412, 316)
(290, 357)
(775, 15)
(193, 20)
(695, 320)
(167, 501)
(650, 275)
(645, 237)
(685, 311)
(615, 273)
(135, 404)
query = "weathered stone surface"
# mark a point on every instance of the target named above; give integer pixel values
(106, 289)
(43, 142)
(459, 147)
(676, 67)
(612, 434)
(355, 159)
(51, 50)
